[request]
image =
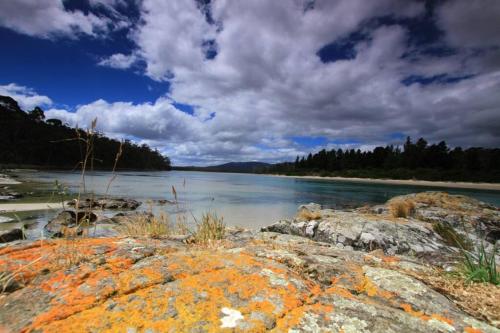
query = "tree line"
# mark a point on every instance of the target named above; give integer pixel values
(414, 160)
(28, 139)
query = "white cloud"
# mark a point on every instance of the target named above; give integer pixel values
(147, 121)
(49, 18)
(26, 97)
(267, 83)
(119, 61)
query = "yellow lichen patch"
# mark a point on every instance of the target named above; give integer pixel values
(367, 286)
(293, 318)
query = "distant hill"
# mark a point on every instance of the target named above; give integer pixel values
(28, 140)
(242, 167)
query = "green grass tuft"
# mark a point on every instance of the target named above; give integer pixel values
(479, 266)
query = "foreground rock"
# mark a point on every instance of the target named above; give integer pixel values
(269, 282)
(113, 204)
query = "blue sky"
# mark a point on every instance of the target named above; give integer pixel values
(215, 81)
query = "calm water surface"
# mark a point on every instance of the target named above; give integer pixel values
(246, 200)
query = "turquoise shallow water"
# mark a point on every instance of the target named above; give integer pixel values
(246, 200)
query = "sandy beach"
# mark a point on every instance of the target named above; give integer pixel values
(25, 207)
(465, 185)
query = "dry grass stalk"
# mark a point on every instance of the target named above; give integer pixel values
(211, 228)
(8, 279)
(70, 254)
(308, 215)
(450, 236)
(402, 208)
(479, 300)
(147, 226)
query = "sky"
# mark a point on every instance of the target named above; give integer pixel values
(208, 82)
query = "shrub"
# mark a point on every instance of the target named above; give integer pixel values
(402, 208)
(479, 266)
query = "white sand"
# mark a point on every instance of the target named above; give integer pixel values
(24, 207)
(4, 219)
(478, 186)
(6, 180)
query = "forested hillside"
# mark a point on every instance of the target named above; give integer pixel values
(28, 139)
(418, 160)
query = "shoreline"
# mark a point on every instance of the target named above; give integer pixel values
(26, 207)
(429, 183)
(7, 180)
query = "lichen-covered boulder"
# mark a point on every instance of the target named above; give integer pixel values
(360, 231)
(266, 283)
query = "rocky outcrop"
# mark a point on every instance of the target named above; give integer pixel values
(469, 217)
(70, 222)
(112, 204)
(267, 282)
(422, 232)
(365, 232)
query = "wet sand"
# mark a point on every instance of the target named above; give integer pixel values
(6, 180)
(25, 207)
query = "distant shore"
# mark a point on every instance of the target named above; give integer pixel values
(449, 184)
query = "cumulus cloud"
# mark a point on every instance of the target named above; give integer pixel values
(49, 18)
(149, 121)
(26, 97)
(252, 72)
(119, 61)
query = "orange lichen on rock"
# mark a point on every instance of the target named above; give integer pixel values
(129, 285)
(421, 315)
(469, 329)
(390, 259)
(202, 284)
